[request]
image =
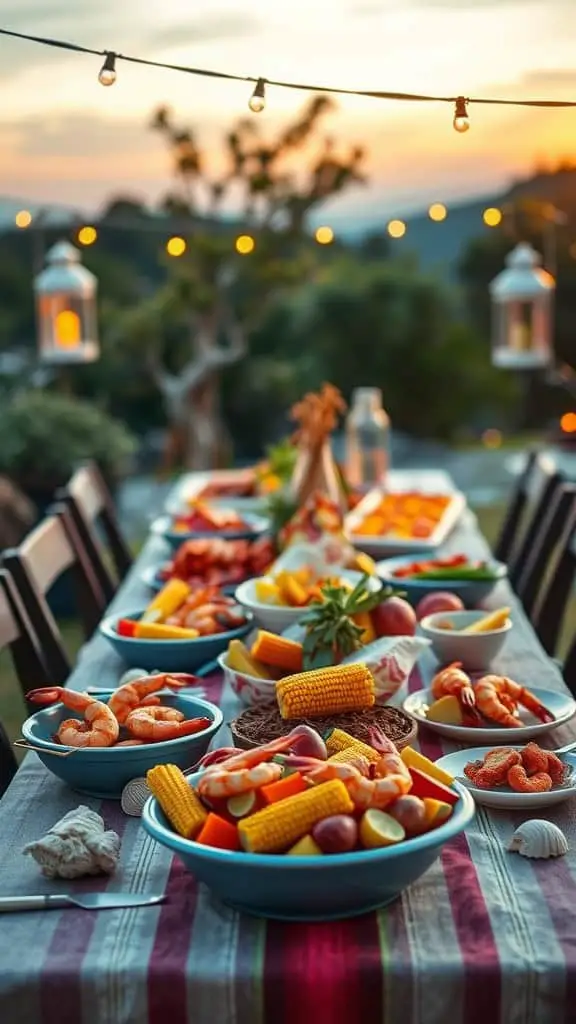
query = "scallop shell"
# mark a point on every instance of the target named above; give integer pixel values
(134, 796)
(538, 839)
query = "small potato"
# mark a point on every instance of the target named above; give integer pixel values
(337, 834)
(410, 812)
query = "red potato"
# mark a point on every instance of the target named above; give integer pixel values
(410, 812)
(337, 834)
(394, 617)
(441, 601)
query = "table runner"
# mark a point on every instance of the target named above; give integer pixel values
(484, 935)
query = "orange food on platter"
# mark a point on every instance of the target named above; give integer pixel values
(530, 769)
(408, 514)
(219, 562)
(204, 518)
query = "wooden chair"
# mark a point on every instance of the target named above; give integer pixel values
(545, 543)
(49, 552)
(91, 507)
(515, 510)
(569, 668)
(551, 604)
(541, 489)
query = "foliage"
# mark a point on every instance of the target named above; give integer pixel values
(46, 435)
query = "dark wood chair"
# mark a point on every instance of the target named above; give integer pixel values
(515, 510)
(553, 598)
(569, 668)
(541, 488)
(554, 518)
(51, 551)
(91, 507)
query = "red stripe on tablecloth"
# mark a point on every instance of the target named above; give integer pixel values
(327, 973)
(61, 975)
(558, 887)
(482, 991)
(167, 984)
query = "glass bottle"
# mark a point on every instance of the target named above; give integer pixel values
(367, 440)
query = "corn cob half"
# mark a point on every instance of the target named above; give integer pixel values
(326, 691)
(339, 740)
(351, 756)
(177, 799)
(277, 827)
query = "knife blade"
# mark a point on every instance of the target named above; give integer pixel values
(85, 900)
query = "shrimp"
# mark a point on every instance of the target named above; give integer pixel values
(98, 729)
(453, 681)
(245, 771)
(494, 770)
(152, 724)
(522, 783)
(142, 692)
(556, 769)
(534, 759)
(489, 690)
(392, 780)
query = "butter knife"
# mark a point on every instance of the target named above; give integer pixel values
(87, 901)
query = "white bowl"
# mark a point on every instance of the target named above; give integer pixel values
(276, 618)
(476, 651)
(252, 691)
(503, 797)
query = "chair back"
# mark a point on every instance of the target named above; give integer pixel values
(569, 669)
(545, 542)
(49, 552)
(551, 605)
(91, 507)
(540, 490)
(515, 510)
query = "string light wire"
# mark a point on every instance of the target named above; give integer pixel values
(301, 86)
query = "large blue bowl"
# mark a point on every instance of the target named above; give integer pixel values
(169, 655)
(471, 592)
(309, 888)
(104, 771)
(255, 527)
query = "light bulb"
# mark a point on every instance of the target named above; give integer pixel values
(107, 74)
(461, 119)
(257, 101)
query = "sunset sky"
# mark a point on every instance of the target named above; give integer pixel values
(65, 138)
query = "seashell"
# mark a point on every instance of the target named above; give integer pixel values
(538, 839)
(134, 796)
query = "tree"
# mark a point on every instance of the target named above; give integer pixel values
(199, 323)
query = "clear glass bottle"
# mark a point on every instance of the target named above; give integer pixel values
(367, 439)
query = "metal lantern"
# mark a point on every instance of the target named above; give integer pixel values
(66, 308)
(522, 312)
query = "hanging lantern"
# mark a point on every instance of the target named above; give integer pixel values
(522, 312)
(66, 308)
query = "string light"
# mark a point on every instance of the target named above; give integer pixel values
(245, 244)
(23, 219)
(87, 235)
(461, 120)
(492, 217)
(257, 101)
(324, 235)
(107, 74)
(396, 228)
(437, 212)
(176, 246)
(111, 58)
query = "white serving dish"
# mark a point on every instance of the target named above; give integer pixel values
(382, 546)
(503, 797)
(190, 486)
(475, 651)
(252, 691)
(277, 618)
(562, 706)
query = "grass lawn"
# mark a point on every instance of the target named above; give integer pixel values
(12, 707)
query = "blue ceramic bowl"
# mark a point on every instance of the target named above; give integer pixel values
(104, 771)
(152, 578)
(310, 888)
(168, 655)
(255, 527)
(471, 592)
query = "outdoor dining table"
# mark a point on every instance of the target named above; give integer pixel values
(484, 936)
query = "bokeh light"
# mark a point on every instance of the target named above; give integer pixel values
(492, 438)
(492, 217)
(87, 235)
(437, 212)
(396, 228)
(324, 235)
(175, 246)
(568, 423)
(245, 244)
(23, 219)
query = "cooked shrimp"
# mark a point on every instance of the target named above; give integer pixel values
(152, 724)
(99, 728)
(494, 770)
(489, 690)
(522, 783)
(453, 681)
(556, 769)
(534, 759)
(244, 771)
(394, 781)
(143, 692)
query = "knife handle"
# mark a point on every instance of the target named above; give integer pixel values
(15, 903)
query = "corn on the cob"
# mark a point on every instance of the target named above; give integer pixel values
(339, 740)
(276, 828)
(177, 799)
(351, 756)
(278, 651)
(326, 691)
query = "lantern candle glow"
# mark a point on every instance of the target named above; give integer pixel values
(66, 308)
(522, 312)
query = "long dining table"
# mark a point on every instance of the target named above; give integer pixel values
(485, 936)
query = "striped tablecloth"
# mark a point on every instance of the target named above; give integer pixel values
(484, 937)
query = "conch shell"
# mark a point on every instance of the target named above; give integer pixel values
(539, 840)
